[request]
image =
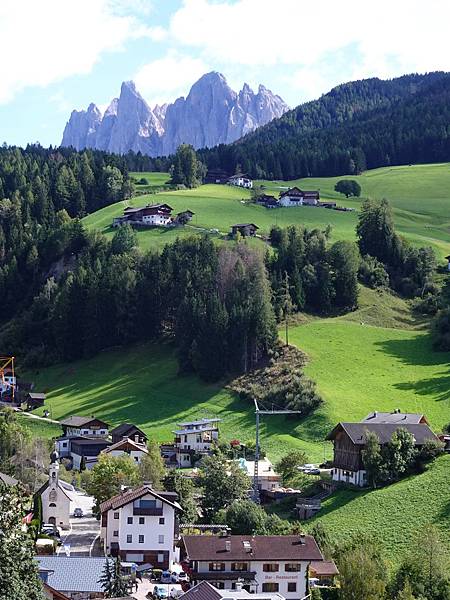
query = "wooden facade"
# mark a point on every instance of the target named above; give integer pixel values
(347, 455)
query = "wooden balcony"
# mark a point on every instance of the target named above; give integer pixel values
(148, 512)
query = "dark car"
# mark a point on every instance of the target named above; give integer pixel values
(78, 513)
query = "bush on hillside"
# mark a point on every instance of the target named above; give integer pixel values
(441, 330)
(372, 273)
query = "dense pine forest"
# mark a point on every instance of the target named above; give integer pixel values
(356, 126)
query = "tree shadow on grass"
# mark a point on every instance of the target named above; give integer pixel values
(418, 351)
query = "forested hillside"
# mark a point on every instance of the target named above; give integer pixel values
(356, 126)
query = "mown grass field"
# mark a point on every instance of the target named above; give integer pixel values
(155, 179)
(393, 515)
(420, 196)
(39, 428)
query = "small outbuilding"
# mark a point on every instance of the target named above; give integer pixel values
(245, 229)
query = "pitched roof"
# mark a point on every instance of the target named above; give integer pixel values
(296, 191)
(74, 573)
(245, 225)
(357, 431)
(126, 443)
(395, 417)
(54, 593)
(46, 484)
(263, 547)
(77, 421)
(36, 395)
(124, 428)
(203, 591)
(324, 567)
(134, 494)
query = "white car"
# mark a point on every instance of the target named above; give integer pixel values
(179, 577)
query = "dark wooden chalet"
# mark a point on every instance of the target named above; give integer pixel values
(216, 176)
(130, 431)
(245, 229)
(349, 440)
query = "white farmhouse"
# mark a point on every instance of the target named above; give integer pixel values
(140, 525)
(127, 447)
(195, 437)
(268, 479)
(55, 500)
(297, 197)
(268, 564)
(241, 180)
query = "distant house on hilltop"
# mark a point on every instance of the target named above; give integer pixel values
(245, 229)
(241, 180)
(157, 215)
(267, 201)
(297, 197)
(349, 440)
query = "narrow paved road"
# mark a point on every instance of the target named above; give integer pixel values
(82, 538)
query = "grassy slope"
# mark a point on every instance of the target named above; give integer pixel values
(39, 428)
(419, 194)
(394, 514)
(141, 384)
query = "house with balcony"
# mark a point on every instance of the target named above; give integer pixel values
(241, 180)
(264, 564)
(127, 447)
(82, 440)
(195, 438)
(151, 215)
(349, 441)
(297, 197)
(140, 525)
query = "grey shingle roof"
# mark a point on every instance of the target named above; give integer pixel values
(124, 429)
(73, 574)
(394, 417)
(357, 431)
(77, 421)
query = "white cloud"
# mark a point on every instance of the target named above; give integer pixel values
(388, 38)
(48, 40)
(166, 78)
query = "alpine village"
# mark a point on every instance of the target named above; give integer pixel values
(225, 315)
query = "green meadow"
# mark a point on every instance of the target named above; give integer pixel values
(420, 196)
(379, 357)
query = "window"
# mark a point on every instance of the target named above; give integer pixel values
(141, 520)
(216, 566)
(160, 539)
(141, 539)
(115, 533)
(64, 444)
(292, 586)
(136, 458)
(129, 539)
(160, 558)
(52, 505)
(293, 567)
(116, 515)
(270, 587)
(270, 567)
(130, 520)
(161, 520)
(239, 566)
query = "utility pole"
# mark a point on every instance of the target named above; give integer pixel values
(259, 412)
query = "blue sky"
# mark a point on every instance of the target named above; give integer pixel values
(63, 54)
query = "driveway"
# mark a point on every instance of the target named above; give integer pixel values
(83, 533)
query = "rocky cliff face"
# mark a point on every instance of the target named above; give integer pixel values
(211, 114)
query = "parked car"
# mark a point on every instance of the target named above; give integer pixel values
(78, 513)
(160, 592)
(179, 577)
(166, 577)
(313, 471)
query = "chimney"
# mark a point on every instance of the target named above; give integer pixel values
(228, 546)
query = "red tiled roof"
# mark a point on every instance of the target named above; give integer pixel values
(263, 547)
(324, 567)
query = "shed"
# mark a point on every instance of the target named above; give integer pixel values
(245, 229)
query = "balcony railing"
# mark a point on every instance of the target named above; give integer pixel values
(149, 512)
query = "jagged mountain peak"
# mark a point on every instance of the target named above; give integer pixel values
(211, 113)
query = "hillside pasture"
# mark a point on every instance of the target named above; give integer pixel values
(419, 194)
